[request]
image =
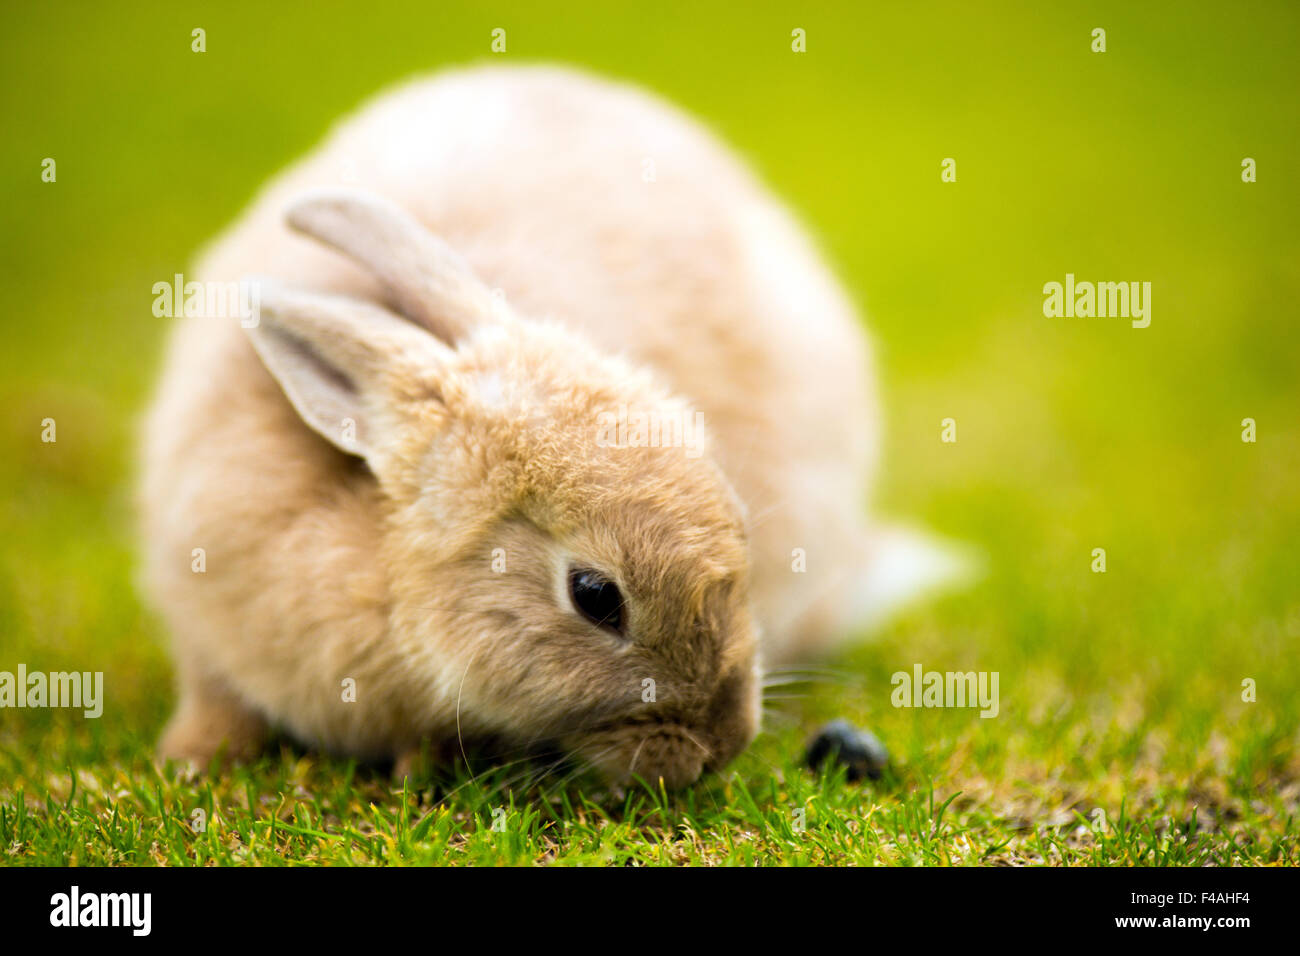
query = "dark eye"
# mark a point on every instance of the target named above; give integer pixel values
(596, 598)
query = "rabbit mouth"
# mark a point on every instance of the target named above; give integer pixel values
(671, 753)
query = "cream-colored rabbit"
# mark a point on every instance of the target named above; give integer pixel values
(455, 483)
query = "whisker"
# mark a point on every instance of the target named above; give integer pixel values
(755, 755)
(513, 763)
(708, 754)
(787, 682)
(631, 768)
(534, 776)
(810, 671)
(459, 738)
(586, 764)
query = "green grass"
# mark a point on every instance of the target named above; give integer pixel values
(1120, 691)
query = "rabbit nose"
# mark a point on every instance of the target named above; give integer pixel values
(680, 774)
(672, 758)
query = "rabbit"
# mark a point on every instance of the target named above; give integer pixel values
(414, 500)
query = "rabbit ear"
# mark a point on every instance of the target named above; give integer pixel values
(348, 367)
(424, 277)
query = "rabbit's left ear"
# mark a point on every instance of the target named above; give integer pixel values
(353, 371)
(424, 278)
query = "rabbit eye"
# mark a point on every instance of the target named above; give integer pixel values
(596, 598)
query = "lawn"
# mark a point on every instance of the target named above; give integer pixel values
(1122, 735)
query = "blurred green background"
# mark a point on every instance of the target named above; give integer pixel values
(1073, 434)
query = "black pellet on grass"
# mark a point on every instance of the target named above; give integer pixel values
(860, 751)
